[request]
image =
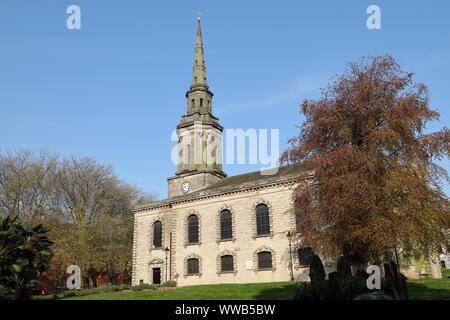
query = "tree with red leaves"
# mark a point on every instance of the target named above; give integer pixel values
(376, 187)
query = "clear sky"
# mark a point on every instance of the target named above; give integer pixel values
(114, 90)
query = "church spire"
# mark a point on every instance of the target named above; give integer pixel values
(199, 97)
(199, 133)
(199, 69)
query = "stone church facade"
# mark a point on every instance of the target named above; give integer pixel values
(213, 228)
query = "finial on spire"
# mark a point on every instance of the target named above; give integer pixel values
(199, 14)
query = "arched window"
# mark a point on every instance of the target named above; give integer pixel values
(304, 256)
(226, 228)
(192, 229)
(157, 234)
(226, 263)
(192, 266)
(265, 260)
(262, 220)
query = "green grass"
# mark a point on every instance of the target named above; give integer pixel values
(429, 289)
(445, 273)
(426, 289)
(250, 291)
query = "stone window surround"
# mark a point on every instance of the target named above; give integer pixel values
(255, 259)
(233, 224)
(253, 219)
(185, 227)
(155, 219)
(185, 265)
(219, 264)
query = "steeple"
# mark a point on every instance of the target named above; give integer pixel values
(199, 97)
(199, 69)
(199, 133)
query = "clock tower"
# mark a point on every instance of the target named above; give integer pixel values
(199, 134)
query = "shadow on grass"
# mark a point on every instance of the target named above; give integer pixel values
(417, 290)
(277, 293)
(426, 290)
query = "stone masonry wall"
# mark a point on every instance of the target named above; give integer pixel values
(244, 245)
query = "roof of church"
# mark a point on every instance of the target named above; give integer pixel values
(235, 183)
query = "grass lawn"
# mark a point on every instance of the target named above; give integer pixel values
(445, 273)
(425, 289)
(429, 289)
(250, 291)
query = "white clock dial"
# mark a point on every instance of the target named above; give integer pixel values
(185, 187)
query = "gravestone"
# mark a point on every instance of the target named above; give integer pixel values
(316, 269)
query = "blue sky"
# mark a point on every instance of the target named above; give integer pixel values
(114, 90)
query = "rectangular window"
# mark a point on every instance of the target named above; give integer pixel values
(305, 256)
(193, 229)
(157, 234)
(262, 220)
(227, 263)
(201, 102)
(193, 266)
(265, 260)
(226, 229)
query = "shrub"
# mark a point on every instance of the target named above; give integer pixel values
(144, 286)
(101, 289)
(169, 284)
(317, 291)
(44, 297)
(85, 292)
(24, 253)
(136, 288)
(123, 287)
(69, 293)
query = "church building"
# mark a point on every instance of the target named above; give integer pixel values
(213, 228)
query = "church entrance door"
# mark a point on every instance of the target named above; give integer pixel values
(156, 275)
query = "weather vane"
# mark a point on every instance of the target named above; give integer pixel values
(199, 14)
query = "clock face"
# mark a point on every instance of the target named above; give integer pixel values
(185, 187)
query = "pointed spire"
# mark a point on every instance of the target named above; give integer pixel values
(199, 69)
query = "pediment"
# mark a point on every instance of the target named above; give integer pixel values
(156, 261)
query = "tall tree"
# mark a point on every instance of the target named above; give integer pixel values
(27, 182)
(92, 221)
(87, 208)
(375, 187)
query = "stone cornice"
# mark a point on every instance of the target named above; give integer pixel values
(170, 203)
